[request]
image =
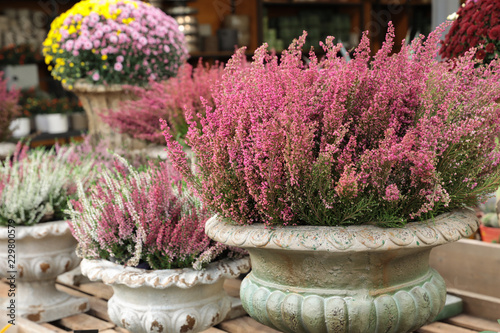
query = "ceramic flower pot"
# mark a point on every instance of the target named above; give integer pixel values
(20, 127)
(99, 99)
(41, 253)
(343, 279)
(489, 234)
(172, 300)
(41, 123)
(57, 123)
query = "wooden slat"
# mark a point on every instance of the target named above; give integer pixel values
(245, 325)
(213, 330)
(439, 327)
(27, 326)
(478, 305)
(98, 306)
(469, 265)
(232, 287)
(97, 289)
(84, 322)
(53, 328)
(474, 323)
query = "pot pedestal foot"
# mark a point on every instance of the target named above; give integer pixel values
(40, 301)
(71, 306)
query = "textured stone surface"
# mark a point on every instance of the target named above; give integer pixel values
(344, 279)
(43, 252)
(174, 300)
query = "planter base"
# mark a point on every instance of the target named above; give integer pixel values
(403, 308)
(67, 306)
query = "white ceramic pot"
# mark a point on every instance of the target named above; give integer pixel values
(171, 300)
(20, 127)
(6, 149)
(41, 123)
(344, 279)
(41, 253)
(57, 123)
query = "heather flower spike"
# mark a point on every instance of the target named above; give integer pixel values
(137, 217)
(387, 139)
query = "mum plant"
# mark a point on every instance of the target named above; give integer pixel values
(477, 25)
(36, 184)
(9, 109)
(389, 140)
(114, 41)
(167, 100)
(143, 217)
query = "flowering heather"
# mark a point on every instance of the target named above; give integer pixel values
(35, 185)
(114, 41)
(142, 216)
(8, 108)
(477, 23)
(167, 100)
(388, 140)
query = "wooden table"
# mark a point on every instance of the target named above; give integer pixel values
(97, 317)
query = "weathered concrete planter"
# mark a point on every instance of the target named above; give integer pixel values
(343, 279)
(42, 252)
(171, 300)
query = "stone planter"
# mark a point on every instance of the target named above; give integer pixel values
(99, 99)
(172, 300)
(57, 123)
(42, 252)
(343, 279)
(79, 121)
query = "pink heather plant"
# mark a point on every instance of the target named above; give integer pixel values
(9, 109)
(167, 100)
(388, 140)
(112, 42)
(143, 217)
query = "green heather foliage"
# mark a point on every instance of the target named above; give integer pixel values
(387, 140)
(35, 185)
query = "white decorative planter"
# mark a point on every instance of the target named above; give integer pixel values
(99, 99)
(20, 127)
(6, 148)
(57, 123)
(344, 279)
(42, 252)
(41, 123)
(171, 300)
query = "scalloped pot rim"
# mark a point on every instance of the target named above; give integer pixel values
(38, 231)
(443, 229)
(111, 273)
(84, 86)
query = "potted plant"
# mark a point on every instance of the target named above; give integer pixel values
(168, 100)
(476, 25)
(490, 225)
(57, 115)
(96, 47)
(8, 112)
(141, 231)
(34, 188)
(339, 178)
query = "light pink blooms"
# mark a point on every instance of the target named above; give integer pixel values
(388, 139)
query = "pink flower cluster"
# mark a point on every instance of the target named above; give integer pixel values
(388, 139)
(143, 217)
(9, 109)
(189, 89)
